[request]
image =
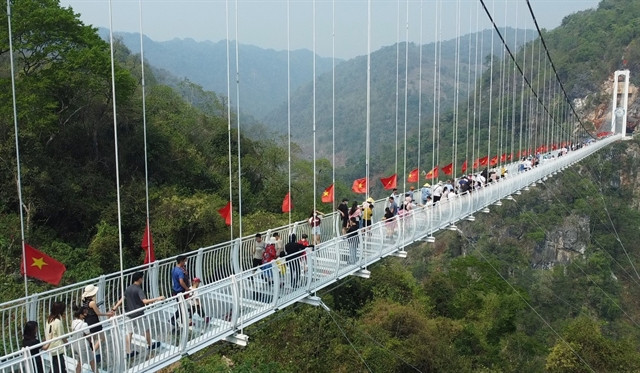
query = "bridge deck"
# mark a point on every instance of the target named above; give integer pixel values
(235, 295)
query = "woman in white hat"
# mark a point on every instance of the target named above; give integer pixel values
(93, 315)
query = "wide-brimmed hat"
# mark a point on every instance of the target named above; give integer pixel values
(427, 185)
(89, 291)
(370, 200)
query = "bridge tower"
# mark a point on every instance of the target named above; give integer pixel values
(620, 102)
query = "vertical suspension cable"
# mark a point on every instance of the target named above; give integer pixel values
(479, 86)
(435, 90)
(501, 110)
(537, 136)
(406, 94)
(237, 44)
(420, 93)
(115, 145)
(368, 140)
(397, 76)
(514, 97)
(469, 91)
(439, 82)
(15, 129)
(503, 99)
(315, 178)
(477, 89)
(229, 116)
(489, 122)
(144, 131)
(545, 122)
(456, 100)
(289, 105)
(531, 119)
(522, 93)
(333, 99)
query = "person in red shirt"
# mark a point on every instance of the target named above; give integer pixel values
(304, 241)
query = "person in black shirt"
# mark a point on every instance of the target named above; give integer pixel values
(343, 208)
(293, 251)
(29, 339)
(354, 240)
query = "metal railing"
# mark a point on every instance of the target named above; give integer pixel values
(236, 295)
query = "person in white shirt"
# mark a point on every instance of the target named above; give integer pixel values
(80, 346)
(195, 302)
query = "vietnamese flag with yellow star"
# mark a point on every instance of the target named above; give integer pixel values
(41, 266)
(327, 195)
(389, 182)
(360, 186)
(413, 176)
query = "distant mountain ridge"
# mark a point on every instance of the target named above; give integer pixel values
(263, 86)
(388, 76)
(263, 72)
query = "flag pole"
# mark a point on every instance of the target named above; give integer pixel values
(18, 171)
(144, 127)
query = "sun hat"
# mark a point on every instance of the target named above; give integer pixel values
(370, 200)
(89, 291)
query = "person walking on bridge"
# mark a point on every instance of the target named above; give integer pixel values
(136, 299)
(179, 283)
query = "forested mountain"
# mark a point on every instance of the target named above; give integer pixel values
(263, 71)
(68, 164)
(390, 71)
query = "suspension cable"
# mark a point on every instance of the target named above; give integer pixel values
(144, 131)
(18, 168)
(535, 21)
(229, 117)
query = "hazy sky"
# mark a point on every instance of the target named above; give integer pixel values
(339, 24)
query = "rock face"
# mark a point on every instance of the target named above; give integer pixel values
(562, 244)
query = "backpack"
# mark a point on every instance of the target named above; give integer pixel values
(269, 253)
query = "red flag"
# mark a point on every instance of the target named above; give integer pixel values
(390, 182)
(287, 203)
(41, 266)
(147, 246)
(360, 186)
(476, 163)
(448, 169)
(494, 160)
(510, 156)
(414, 176)
(464, 166)
(433, 174)
(503, 157)
(484, 160)
(225, 212)
(327, 195)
